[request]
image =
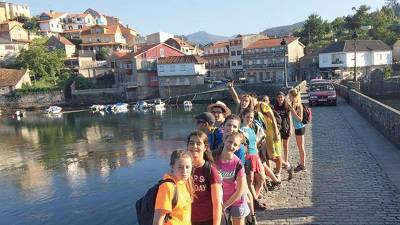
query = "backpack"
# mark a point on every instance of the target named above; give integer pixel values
(145, 205)
(307, 114)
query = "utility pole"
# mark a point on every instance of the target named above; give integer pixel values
(355, 36)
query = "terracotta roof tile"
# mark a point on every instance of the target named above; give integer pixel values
(64, 41)
(270, 42)
(182, 59)
(10, 77)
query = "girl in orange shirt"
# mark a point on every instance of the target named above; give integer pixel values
(165, 213)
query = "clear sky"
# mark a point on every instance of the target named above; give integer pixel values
(221, 17)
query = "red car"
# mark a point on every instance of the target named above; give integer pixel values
(322, 93)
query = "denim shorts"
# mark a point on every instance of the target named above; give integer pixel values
(238, 211)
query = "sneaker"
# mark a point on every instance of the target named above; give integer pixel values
(300, 168)
(273, 186)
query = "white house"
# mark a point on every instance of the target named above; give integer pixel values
(179, 74)
(74, 24)
(9, 50)
(338, 58)
(52, 22)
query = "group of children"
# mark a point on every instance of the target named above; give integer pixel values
(222, 174)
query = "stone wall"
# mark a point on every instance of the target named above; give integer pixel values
(384, 118)
(32, 100)
(97, 96)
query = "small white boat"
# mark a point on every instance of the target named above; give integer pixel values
(187, 104)
(141, 105)
(19, 113)
(120, 107)
(53, 110)
(96, 108)
(159, 105)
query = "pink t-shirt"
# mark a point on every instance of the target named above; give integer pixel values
(227, 170)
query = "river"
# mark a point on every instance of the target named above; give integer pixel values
(84, 168)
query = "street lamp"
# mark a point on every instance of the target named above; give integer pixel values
(284, 45)
(355, 36)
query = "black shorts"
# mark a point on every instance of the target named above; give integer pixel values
(300, 131)
(285, 134)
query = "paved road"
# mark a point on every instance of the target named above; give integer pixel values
(347, 180)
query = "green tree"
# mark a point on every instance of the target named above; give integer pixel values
(314, 29)
(394, 5)
(42, 63)
(103, 54)
(30, 24)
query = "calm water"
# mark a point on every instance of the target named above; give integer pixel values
(85, 168)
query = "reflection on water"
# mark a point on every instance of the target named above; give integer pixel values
(81, 168)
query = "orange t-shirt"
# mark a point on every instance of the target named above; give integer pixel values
(181, 214)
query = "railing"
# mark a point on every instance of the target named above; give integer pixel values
(269, 65)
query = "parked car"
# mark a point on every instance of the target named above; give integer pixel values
(322, 93)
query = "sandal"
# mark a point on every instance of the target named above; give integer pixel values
(259, 205)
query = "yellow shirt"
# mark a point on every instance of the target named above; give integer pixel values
(181, 214)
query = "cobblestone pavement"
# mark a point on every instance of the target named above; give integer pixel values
(343, 183)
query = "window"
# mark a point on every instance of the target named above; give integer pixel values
(250, 62)
(258, 61)
(282, 60)
(238, 52)
(233, 53)
(69, 27)
(265, 61)
(79, 26)
(172, 68)
(239, 63)
(257, 49)
(162, 52)
(233, 63)
(161, 68)
(265, 49)
(78, 19)
(52, 25)
(182, 67)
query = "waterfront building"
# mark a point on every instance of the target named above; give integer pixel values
(75, 23)
(217, 57)
(12, 79)
(63, 44)
(9, 50)
(51, 23)
(137, 70)
(14, 31)
(338, 58)
(184, 46)
(309, 67)
(9, 11)
(236, 46)
(103, 36)
(263, 60)
(180, 73)
(98, 17)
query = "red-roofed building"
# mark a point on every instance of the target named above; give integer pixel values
(137, 71)
(51, 22)
(74, 24)
(184, 46)
(263, 60)
(11, 79)
(99, 36)
(217, 56)
(63, 44)
(180, 73)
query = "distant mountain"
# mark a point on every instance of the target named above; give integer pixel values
(283, 30)
(203, 37)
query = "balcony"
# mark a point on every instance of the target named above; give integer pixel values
(263, 66)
